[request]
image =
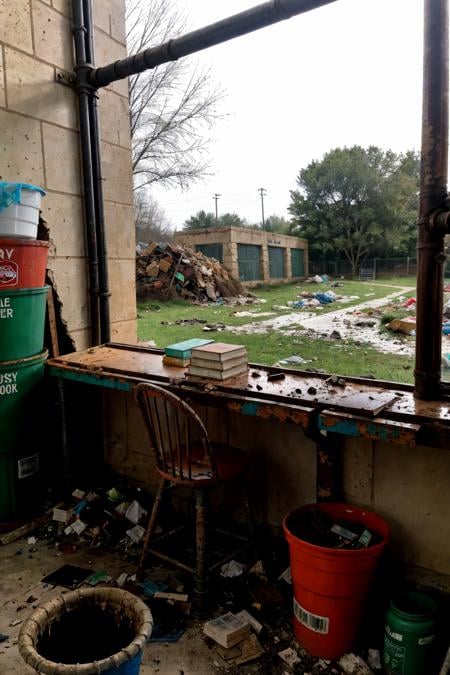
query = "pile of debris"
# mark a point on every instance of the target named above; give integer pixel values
(165, 271)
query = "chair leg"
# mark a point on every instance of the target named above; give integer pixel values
(201, 574)
(151, 527)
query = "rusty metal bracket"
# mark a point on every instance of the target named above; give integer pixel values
(439, 220)
(67, 79)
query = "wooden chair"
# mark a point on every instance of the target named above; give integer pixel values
(185, 457)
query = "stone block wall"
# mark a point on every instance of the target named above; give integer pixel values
(230, 237)
(39, 144)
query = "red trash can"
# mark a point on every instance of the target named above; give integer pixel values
(22, 263)
(331, 585)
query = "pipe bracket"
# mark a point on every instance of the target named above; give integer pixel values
(83, 81)
(439, 220)
(68, 79)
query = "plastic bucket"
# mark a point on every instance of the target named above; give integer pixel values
(22, 322)
(331, 585)
(19, 209)
(103, 630)
(409, 635)
(22, 263)
(19, 456)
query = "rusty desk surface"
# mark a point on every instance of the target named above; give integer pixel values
(356, 407)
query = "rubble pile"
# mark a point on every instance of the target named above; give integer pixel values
(166, 271)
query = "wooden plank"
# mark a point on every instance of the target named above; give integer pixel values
(23, 530)
(53, 329)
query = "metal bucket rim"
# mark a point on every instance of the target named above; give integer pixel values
(11, 241)
(27, 361)
(47, 612)
(25, 291)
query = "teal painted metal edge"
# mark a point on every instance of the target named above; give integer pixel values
(91, 378)
(377, 431)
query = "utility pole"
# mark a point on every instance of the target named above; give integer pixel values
(216, 198)
(262, 192)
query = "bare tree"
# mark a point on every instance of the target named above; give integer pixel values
(151, 221)
(172, 107)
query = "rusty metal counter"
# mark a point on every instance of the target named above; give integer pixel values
(356, 407)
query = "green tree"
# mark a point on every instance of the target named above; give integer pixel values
(231, 220)
(202, 220)
(356, 202)
(277, 224)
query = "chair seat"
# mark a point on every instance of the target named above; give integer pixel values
(230, 462)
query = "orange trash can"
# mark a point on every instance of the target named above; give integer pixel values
(331, 585)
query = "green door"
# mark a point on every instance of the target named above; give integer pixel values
(249, 262)
(277, 267)
(298, 262)
(211, 250)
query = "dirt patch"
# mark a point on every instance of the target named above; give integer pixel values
(343, 321)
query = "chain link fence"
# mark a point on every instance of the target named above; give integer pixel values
(374, 267)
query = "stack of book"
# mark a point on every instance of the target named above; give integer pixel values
(179, 354)
(217, 361)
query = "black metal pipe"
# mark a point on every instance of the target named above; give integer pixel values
(102, 252)
(433, 193)
(216, 33)
(88, 180)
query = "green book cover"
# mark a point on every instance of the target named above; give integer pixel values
(182, 350)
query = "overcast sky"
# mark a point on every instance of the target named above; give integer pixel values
(344, 74)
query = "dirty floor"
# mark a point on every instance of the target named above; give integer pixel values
(20, 576)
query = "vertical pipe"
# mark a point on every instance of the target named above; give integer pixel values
(104, 294)
(88, 180)
(433, 192)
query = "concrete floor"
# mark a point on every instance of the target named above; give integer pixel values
(20, 576)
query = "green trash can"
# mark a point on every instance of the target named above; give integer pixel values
(409, 635)
(22, 322)
(20, 382)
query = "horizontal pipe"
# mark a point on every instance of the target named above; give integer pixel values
(214, 34)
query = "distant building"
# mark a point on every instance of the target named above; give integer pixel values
(251, 255)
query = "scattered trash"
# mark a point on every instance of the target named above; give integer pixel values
(60, 515)
(32, 541)
(99, 577)
(122, 579)
(136, 533)
(16, 622)
(135, 513)
(173, 597)
(286, 576)
(227, 630)
(293, 361)
(249, 649)
(78, 494)
(316, 527)
(78, 527)
(69, 576)
(248, 618)
(374, 659)
(406, 325)
(151, 587)
(232, 569)
(354, 665)
(214, 327)
(289, 656)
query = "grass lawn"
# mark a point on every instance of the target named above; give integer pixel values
(333, 356)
